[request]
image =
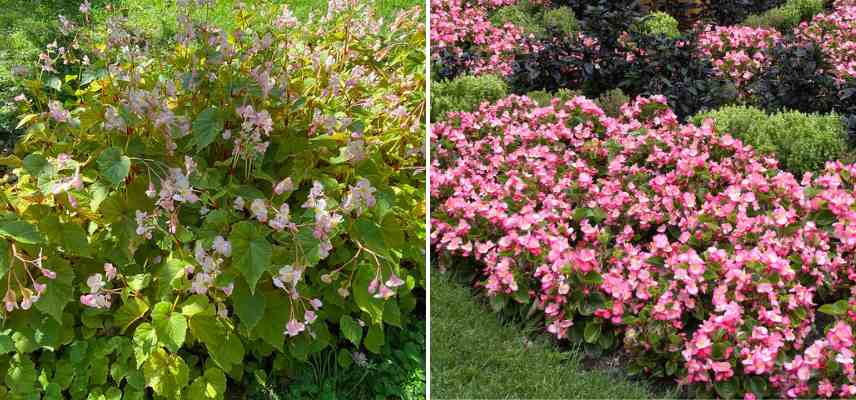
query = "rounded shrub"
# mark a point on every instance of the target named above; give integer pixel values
(660, 23)
(545, 98)
(561, 20)
(611, 101)
(801, 142)
(187, 220)
(787, 16)
(465, 93)
(521, 15)
(700, 259)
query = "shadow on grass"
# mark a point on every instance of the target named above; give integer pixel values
(477, 354)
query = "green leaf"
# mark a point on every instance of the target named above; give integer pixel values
(211, 385)
(69, 236)
(351, 329)
(59, 291)
(250, 307)
(20, 231)
(5, 257)
(113, 165)
(139, 281)
(391, 313)
(128, 313)
(370, 235)
(271, 327)
(145, 342)
(374, 340)
(838, 308)
(727, 389)
(6, 344)
(592, 331)
(167, 374)
(35, 164)
(365, 300)
(21, 375)
(170, 326)
(344, 358)
(207, 126)
(251, 252)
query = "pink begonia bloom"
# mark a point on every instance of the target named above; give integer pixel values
(228, 289)
(384, 292)
(394, 281)
(309, 316)
(110, 271)
(316, 303)
(283, 186)
(222, 246)
(373, 285)
(239, 203)
(293, 328)
(259, 209)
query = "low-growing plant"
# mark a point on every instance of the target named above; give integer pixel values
(682, 246)
(787, 16)
(660, 23)
(612, 101)
(465, 93)
(236, 202)
(561, 20)
(545, 98)
(801, 142)
(521, 15)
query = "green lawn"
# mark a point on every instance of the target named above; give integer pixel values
(474, 355)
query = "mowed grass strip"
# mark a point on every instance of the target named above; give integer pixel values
(475, 356)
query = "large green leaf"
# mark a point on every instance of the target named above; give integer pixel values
(167, 374)
(21, 376)
(351, 329)
(207, 126)
(365, 300)
(170, 326)
(59, 291)
(251, 252)
(132, 310)
(370, 234)
(375, 338)
(113, 165)
(250, 307)
(69, 236)
(145, 342)
(20, 231)
(277, 314)
(211, 385)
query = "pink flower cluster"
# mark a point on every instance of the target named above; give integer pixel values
(462, 28)
(700, 253)
(835, 33)
(738, 52)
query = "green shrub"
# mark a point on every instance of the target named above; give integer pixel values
(787, 16)
(545, 98)
(561, 19)
(611, 102)
(660, 24)
(184, 218)
(465, 93)
(801, 142)
(521, 15)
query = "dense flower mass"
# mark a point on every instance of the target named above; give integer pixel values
(704, 260)
(460, 29)
(242, 199)
(738, 52)
(835, 33)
